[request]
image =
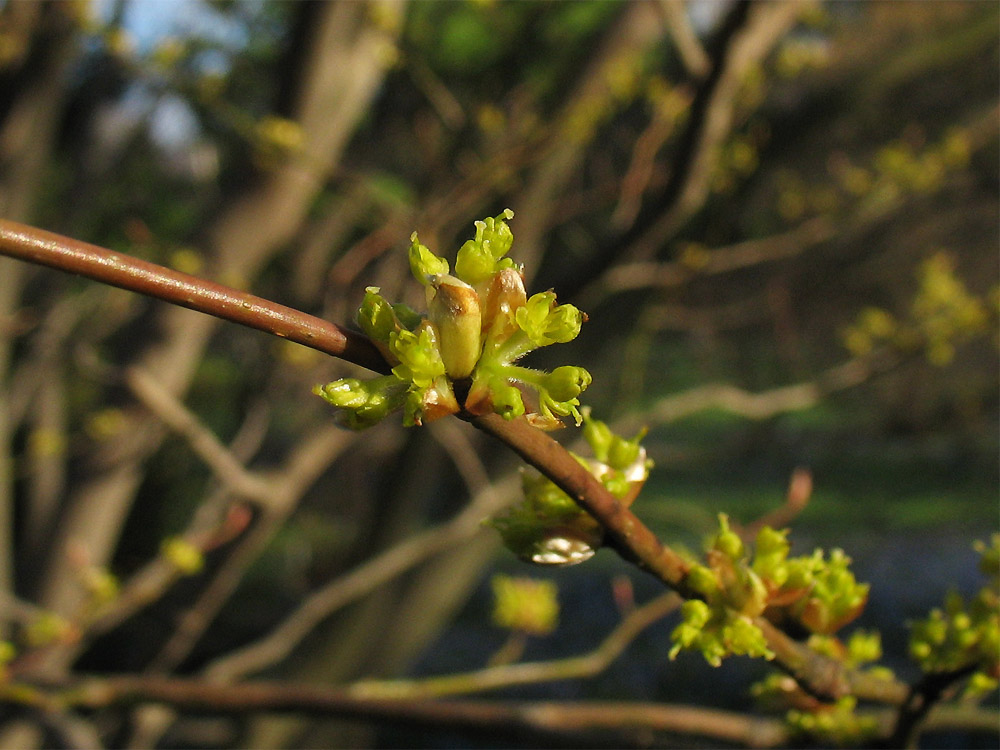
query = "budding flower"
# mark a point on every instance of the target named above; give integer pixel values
(567, 382)
(424, 263)
(545, 322)
(727, 541)
(454, 311)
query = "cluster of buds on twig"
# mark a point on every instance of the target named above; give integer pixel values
(733, 587)
(548, 527)
(965, 636)
(811, 719)
(479, 323)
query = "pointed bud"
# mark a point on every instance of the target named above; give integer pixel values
(454, 311)
(376, 316)
(504, 295)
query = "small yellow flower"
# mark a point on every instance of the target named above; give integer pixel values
(525, 604)
(183, 555)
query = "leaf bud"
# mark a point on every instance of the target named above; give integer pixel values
(504, 295)
(376, 316)
(454, 311)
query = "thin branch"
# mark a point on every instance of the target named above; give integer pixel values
(668, 274)
(461, 451)
(120, 270)
(365, 578)
(209, 449)
(749, 33)
(689, 48)
(507, 675)
(765, 404)
(629, 722)
(922, 698)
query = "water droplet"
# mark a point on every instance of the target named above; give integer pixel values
(561, 550)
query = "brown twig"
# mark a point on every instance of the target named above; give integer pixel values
(629, 722)
(120, 270)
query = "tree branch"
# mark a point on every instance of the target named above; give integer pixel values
(120, 270)
(523, 673)
(617, 722)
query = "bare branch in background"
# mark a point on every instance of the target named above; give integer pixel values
(526, 673)
(712, 116)
(689, 47)
(362, 580)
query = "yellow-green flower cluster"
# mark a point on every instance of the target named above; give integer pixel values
(479, 322)
(548, 527)
(732, 587)
(965, 635)
(525, 605)
(781, 690)
(836, 724)
(943, 315)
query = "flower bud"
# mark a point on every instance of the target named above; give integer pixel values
(420, 360)
(474, 263)
(525, 604)
(506, 400)
(424, 263)
(623, 453)
(504, 295)
(597, 434)
(495, 234)
(771, 542)
(454, 311)
(567, 382)
(728, 542)
(702, 581)
(545, 322)
(183, 555)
